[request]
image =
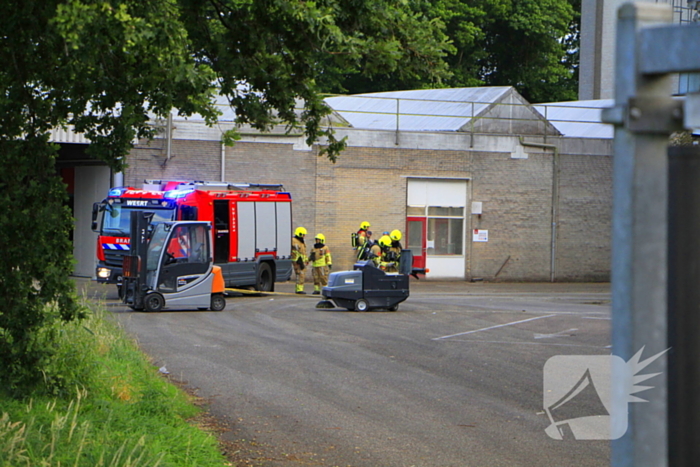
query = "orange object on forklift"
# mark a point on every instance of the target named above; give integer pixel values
(218, 285)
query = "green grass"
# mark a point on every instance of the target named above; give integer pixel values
(115, 410)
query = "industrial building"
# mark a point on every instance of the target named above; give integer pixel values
(484, 185)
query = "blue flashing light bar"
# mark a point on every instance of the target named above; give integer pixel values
(177, 194)
(116, 191)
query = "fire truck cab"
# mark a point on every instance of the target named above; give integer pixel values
(251, 227)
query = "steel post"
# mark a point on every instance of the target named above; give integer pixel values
(639, 245)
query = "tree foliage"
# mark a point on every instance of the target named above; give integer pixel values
(107, 67)
(529, 44)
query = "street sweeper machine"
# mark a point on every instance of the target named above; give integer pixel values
(368, 287)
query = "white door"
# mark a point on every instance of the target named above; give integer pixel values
(91, 185)
(442, 204)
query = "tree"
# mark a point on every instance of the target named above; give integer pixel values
(414, 30)
(531, 45)
(526, 44)
(107, 67)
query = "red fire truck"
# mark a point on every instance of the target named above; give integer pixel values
(251, 226)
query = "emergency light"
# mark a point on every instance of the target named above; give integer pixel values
(116, 191)
(176, 194)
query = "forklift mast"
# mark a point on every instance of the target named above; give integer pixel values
(135, 264)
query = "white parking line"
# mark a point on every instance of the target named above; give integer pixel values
(555, 344)
(556, 334)
(491, 327)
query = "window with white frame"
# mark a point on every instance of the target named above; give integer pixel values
(442, 204)
(445, 228)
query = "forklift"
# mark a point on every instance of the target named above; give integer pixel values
(170, 266)
(368, 287)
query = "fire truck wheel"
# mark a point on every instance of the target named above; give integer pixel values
(154, 302)
(263, 282)
(361, 305)
(218, 302)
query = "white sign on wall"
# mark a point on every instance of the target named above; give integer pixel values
(480, 235)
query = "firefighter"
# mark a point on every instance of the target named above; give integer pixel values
(396, 246)
(321, 261)
(179, 247)
(387, 261)
(363, 251)
(375, 252)
(364, 227)
(299, 258)
(361, 240)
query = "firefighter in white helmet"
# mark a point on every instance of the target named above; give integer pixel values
(299, 258)
(321, 261)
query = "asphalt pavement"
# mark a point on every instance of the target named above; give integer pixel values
(455, 377)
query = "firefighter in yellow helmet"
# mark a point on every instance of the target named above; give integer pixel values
(362, 241)
(388, 260)
(394, 254)
(299, 258)
(375, 252)
(321, 261)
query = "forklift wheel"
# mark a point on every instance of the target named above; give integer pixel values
(361, 305)
(218, 302)
(154, 302)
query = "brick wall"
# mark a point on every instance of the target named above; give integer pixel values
(517, 204)
(516, 197)
(189, 160)
(583, 244)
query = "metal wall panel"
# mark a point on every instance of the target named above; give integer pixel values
(266, 231)
(284, 229)
(246, 231)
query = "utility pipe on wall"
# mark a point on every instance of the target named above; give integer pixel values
(223, 160)
(169, 136)
(555, 199)
(118, 179)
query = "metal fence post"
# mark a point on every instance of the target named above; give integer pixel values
(639, 243)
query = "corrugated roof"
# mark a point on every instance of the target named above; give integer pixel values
(228, 113)
(67, 134)
(447, 110)
(579, 119)
(416, 110)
